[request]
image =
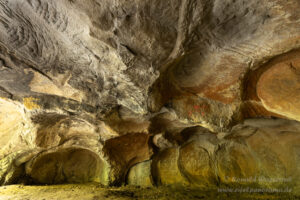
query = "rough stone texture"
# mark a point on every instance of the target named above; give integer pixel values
(278, 87)
(260, 151)
(140, 175)
(195, 163)
(90, 88)
(166, 170)
(258, 148)
(124, 152)
(67, 165)
(15, 128)
(254, 153)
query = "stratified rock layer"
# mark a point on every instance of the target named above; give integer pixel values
(253, 154)
(149, 92)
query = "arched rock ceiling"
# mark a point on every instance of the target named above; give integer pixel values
(106, 54)
(88, 77)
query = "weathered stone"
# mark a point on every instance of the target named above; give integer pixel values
(259, 151)
(236, 161)
(278, 87)
(195, 163)
(66, 166)
(140, 174)
(161, 142)
(253, 154)
(97, 90)
(8, 171)
(16, 128)
(166, 170)
(124, 152)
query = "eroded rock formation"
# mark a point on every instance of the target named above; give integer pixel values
(150, 92)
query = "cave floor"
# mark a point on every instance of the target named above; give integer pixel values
(95, 191)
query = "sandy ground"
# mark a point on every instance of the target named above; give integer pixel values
(98, 192)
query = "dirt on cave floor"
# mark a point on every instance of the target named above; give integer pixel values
(93, 191)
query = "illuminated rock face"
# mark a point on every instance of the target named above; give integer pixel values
(259, 152)
(148, 92)
(278, 87)
(67, 165)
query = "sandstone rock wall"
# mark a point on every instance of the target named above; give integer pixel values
(257, 153)
(91, 88)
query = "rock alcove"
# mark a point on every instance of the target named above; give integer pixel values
(191, 93)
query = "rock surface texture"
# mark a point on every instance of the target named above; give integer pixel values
(150, 92)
